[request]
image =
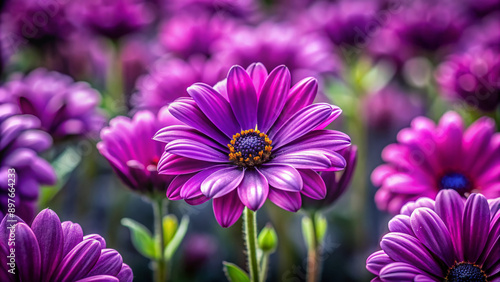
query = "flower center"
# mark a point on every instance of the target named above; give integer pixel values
(466, 272)
(455, 181)
(249, 148)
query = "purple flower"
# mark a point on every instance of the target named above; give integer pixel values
(278, 44)
(53, 251)
(449, 239)
(222, 8)
(20, 143)
(186, 35)
(335, 183)
(390, 108)
(430, 158)
(65, 108)
(250, 139)
(135, 58)
(168, 79)
(198, 250)
(128, 146)
(473, 77)
(36, 21)
(112, 18)
(428, 26)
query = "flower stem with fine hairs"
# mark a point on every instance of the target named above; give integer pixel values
(160, 267)
(313, 252)
(250, 232)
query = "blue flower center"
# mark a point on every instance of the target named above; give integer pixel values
(249, 148)
(455, 181)
(465, 272)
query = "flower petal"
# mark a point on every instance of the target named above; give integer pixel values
(174, 164)
(192, 187)
(258, 74)
(311, 159)
(73, 234)
(400, 272)
(48, 231)
(405, 248)
(318, 139)
(227, 209)
(187, 111)
(99, 278)
(175, 187)
(304, 121)
(376, 261)
(215, 107)
(283, 177)
(432, 232)
(125, 274)
(314, 186)
(78, 262)
(476, 225)
(273, 97)
(222, 182)
(450, 207)
(401, 223)
(242, 97)
(175, 132)
(253, 189)
(28, 261)
(109, 263)
(290, 201)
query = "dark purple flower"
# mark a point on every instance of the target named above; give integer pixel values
(168, 79)
(36, 21)
(278, 44)
(198, 250)
(128, 146)
(473, 77)
(336, 183)
(428, 26)
(188, 34)
(390, 108)
(481, 8)
(222, 8)
(430, 158)
(449, 239)
(112, 18)
(20, 143)
(53, 251)
(484, 35)
(251, 138)
(65, 107)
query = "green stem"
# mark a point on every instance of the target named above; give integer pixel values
(114, 80)
(313, 267)
(264, 266)
(160, 268)
(250, 231)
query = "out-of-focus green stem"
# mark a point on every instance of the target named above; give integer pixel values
(264, 266)
(313, 252)
(250, 231)
(160, 266)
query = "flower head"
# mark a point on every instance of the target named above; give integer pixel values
(250, 138)
(449, 239)
(168, 79)
(336, 184)
(20, 143)
(473, 77)
(49, 250)
(430, 158)
(64, 107)
(134, 156)
(112, 18)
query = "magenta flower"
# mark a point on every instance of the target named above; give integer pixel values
(242, 9)
(279, 44)
(250, 139)
(449, 239)
(430, 158)
(65, 108)
(168, 79)
(20, 143)
(473, 77)
(128, 146)
(335, 184)
(53, 251)
(112, 18)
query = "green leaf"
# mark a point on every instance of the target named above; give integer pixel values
(307, 231)
(268, 240)
(141, 238)
(177, 239)
(170, 224)
(234, 273)
(321, 226)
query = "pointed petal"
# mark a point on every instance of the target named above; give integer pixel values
(450, 207)
(28, 259)
(109, 263)
(242, 97)
(174, 164)
(192, 187)
(283, 177)
(253, 189)
(290, 201)
(227, 209)
(73, 234)
(475, 227)
(258, 74)
(79, 261)
(273, 97)
(376, 261)
(175, 187)
(314, 186)
(318, 139)
(222, 182)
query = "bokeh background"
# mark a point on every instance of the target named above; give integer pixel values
(383, 62)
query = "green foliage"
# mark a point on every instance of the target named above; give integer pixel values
(141, 238)
(234, 273)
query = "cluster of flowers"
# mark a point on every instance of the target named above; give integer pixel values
(207, 122)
